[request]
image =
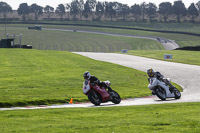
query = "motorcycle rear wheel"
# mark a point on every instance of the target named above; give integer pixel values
(115, 97)
(160, 93)
(95, 98)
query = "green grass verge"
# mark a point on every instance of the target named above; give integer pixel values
(31, 77)
(180, 56)
(165, 118)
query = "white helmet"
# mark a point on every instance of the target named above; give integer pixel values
(86, 75)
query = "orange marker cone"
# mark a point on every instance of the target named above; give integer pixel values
(71, 101)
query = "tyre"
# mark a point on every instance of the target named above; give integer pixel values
(177, 94)
(94, 98)
(160, 93)
(115, 97)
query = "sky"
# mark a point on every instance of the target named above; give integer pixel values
(54, 3)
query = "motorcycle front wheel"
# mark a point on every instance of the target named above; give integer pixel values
(94, 98)
(160, 93)
(177, 94)
(115, 97)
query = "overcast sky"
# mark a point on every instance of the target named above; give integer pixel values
(54, 3)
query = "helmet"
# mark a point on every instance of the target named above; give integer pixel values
(86, 75)
(150, 72)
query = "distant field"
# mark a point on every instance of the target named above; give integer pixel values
(101, 43)
(181, 39)
(76, 41)
(183, 27)
(163, 118)
(30, 77)
(180, 56)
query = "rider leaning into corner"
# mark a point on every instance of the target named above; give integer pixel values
(160, 77)
(94, 80)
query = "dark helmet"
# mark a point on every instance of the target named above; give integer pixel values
(150, 72)
(86, 75)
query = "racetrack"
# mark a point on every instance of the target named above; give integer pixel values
(167, 44)
(185, 75)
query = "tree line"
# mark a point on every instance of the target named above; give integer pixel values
(80, 10)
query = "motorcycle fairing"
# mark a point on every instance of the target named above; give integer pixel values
(86, 87)
(103, 92)
(155, 82)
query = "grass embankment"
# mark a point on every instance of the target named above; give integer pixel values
(31, 77)
(101, 43)
(180, 56)
(76, 41)
(181, 39)
(165, 118)
(181, 27)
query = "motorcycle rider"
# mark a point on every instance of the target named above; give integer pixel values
(159, 76)
(94, 80)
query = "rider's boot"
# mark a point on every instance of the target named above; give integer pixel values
(109, 89)
(171, 87)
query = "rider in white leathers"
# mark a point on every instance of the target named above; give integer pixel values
(160, 77)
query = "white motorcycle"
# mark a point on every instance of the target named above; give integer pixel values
(162, 90)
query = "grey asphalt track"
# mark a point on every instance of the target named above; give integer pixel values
(188, 76)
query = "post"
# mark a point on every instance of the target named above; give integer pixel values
(13, 40)
(20, 39)
(5, 26)
(7, 35)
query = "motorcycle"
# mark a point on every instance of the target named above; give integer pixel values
(162, 90)
(98, 95)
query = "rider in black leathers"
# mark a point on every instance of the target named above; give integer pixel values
(94, 80)
(159, 76)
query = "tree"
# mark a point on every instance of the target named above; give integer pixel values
(87, 11)
(143, 7)
(60, 10)
(99, 10)
(37, 10)
(124, 10)
(165, 9)
(48, 10)
(109, 9)
(81, 8)
(198, 5)
(179, 9)
(117, 7)
(74, 8)
(192, 10)
(68, 6)
(4, 9)
(151, 10)
(23, 10)
(136, 11)
(92, 4)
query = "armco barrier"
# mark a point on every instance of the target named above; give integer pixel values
(191, 48)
